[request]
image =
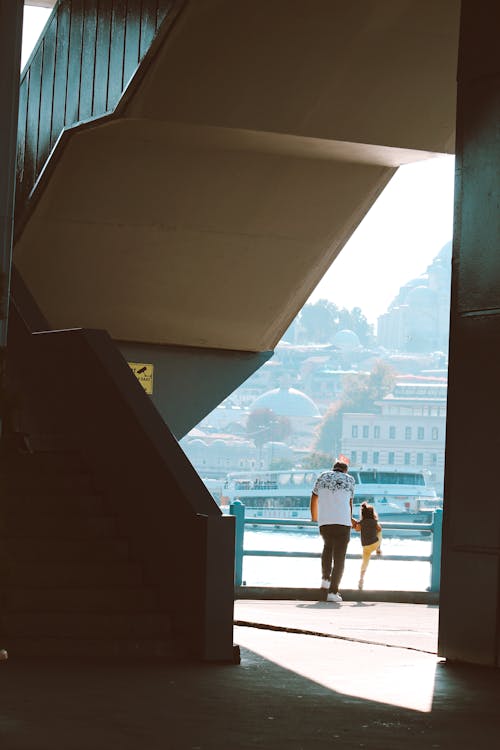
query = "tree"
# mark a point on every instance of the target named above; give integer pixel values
(281, 464)
(317, 460)
(360, 394)
(319, 321)
(381, 381)
(355, 392)
(362, 390)
(329, 431)
(264, 425)
(355, 321)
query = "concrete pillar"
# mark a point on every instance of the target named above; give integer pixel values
(200, 378)
(11, 26)
(470, 584)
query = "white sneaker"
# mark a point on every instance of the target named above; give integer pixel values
(325, 583)
(333, 597)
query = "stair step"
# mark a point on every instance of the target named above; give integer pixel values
(75, 505)
(67, 584)
(65, 550)
(98, 599)
(105, 648)
(64, 625)
(57, 575)
(57, 526)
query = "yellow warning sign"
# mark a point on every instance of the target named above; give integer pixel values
(144, 374)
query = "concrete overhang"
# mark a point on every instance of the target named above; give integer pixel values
(258, 138)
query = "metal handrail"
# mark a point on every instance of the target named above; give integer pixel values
(237, 509)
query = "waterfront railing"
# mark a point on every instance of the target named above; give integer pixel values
(434, 528)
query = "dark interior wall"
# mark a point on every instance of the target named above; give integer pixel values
(471, 534)
(188, 382)
(11, 22)
(76, 384)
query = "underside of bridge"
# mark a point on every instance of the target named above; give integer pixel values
(228, 178)
(187, 170)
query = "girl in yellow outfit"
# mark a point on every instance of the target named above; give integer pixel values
(371, 536)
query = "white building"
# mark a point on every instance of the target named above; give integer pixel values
(216, 455)
(409, 431)
(299, 409)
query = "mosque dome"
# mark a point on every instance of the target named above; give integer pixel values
(346, 340)
(198, 441)
(196, 433)
(421, 297)
(445, 253)
(218, 442)
(407, 289)
(287, 402)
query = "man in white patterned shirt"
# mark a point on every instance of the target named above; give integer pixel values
(331, 507)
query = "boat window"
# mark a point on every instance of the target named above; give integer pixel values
(385, 477)
(265, 484)
(368, 477)
(243, 485)
(358, 499)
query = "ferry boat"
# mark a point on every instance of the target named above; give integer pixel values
(397, 495)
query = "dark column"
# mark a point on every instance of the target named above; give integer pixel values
(11, 25)
(470, 586)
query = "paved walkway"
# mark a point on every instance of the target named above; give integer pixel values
(369, 680)
(412, 626)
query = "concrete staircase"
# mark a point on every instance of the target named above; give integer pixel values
(68, 584)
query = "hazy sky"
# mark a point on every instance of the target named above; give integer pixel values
(33, 22)
(395, 242)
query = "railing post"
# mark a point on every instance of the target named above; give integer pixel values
(437, 529)
(237, 509)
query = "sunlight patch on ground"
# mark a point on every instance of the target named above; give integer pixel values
(393, 676)
(390, 623)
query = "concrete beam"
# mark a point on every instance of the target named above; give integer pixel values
(41, 3)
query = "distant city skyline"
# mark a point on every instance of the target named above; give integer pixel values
(396, 241)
